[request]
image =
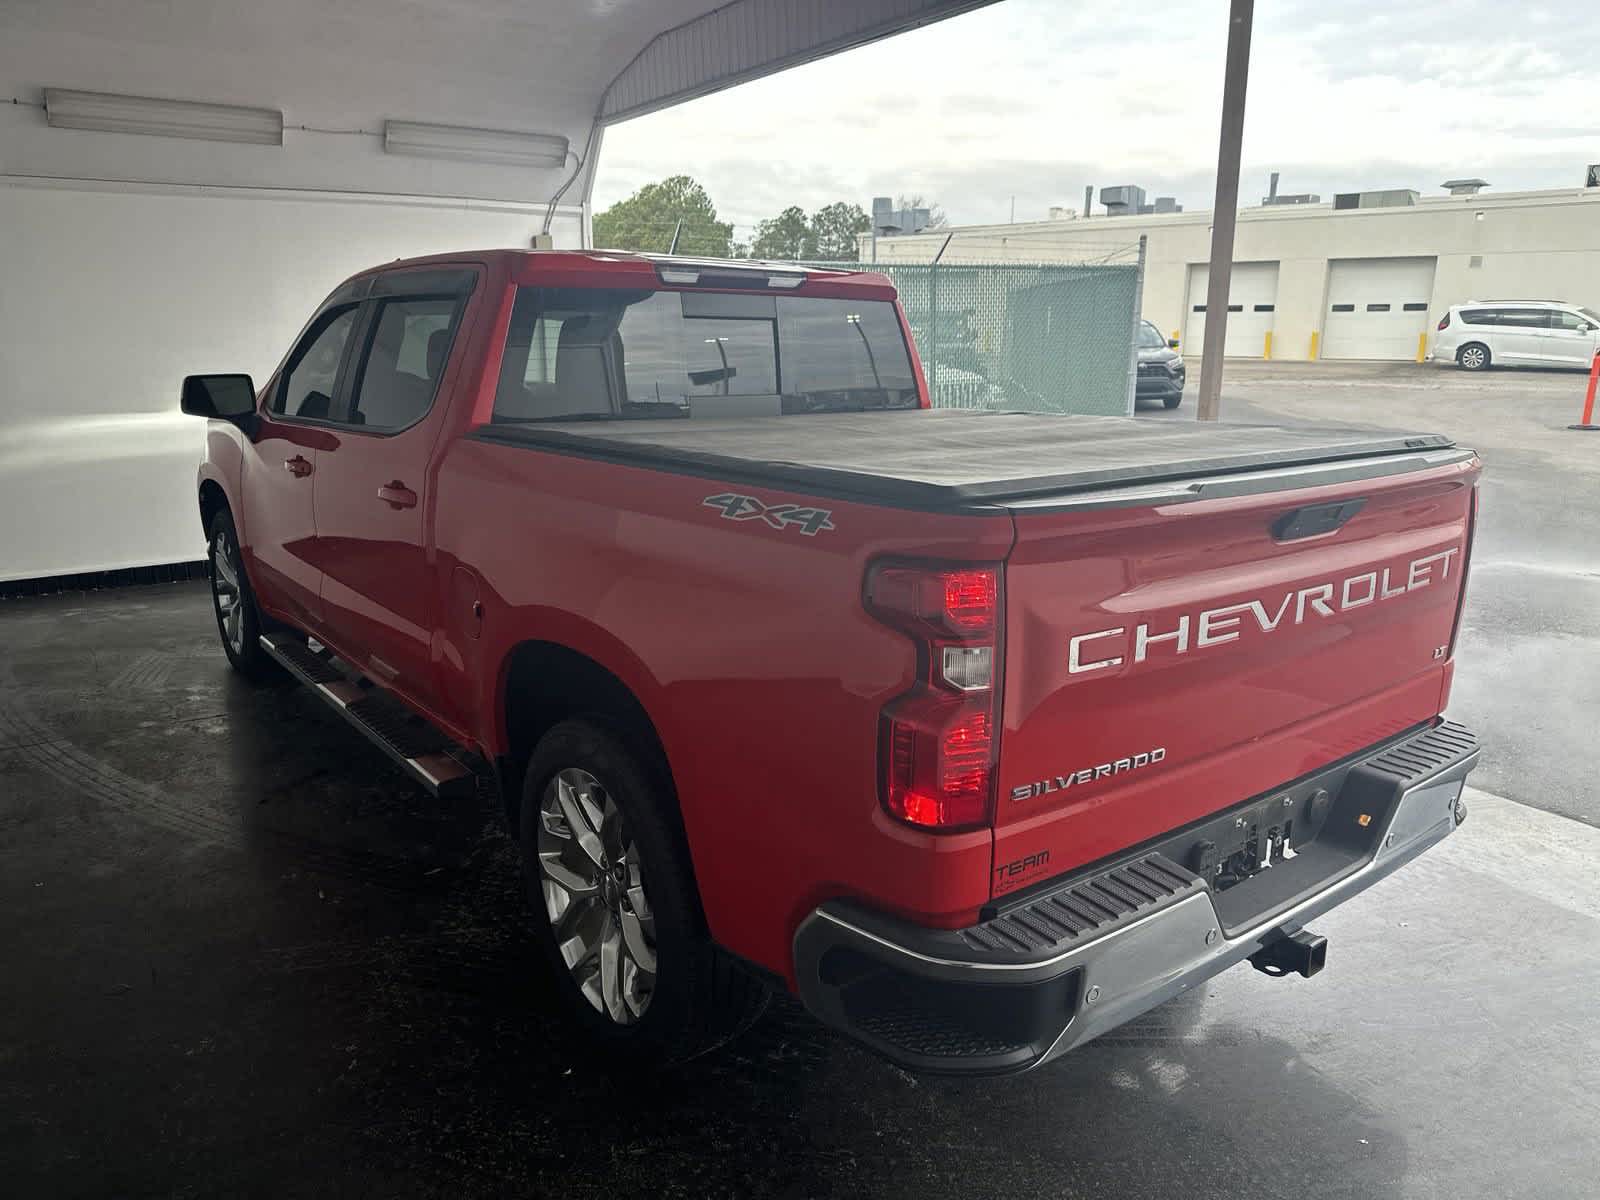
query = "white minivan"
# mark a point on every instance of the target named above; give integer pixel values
(1522, 333)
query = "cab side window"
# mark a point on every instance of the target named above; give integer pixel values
(1570, 322)
(312, 373)
(409, 347)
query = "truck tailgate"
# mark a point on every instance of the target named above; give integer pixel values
(1165, 660)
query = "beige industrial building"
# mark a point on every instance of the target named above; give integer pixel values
(1364, 277)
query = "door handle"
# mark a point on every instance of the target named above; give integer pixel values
(297, 466)
(397, 495)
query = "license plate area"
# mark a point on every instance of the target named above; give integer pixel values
(1254, 840)
(1242, 842)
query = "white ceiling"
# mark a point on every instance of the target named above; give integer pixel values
(339, 68)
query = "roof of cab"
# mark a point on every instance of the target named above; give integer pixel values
(627, 268)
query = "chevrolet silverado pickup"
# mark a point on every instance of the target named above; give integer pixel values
(981, 733)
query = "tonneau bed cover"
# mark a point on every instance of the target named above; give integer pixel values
(949, 459)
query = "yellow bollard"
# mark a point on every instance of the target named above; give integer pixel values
(1266, 345)
(1422, 346)
(1312, 357)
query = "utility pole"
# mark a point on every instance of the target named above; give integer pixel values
(1224, 212)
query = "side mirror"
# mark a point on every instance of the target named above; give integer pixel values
(220, 397)
(1172, 343)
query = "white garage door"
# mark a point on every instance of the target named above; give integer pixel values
(1252, 296)
(1377, 307)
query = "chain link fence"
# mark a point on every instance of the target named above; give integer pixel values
(1030, 337)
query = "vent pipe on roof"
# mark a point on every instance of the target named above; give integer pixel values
(1272, 188)
(1088, 201)
(1464, 187)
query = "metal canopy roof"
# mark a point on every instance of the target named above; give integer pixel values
(747, 39)
(339, 71)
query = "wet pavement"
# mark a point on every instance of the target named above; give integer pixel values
(244, 956)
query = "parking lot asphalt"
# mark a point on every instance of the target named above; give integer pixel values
(1528, 663)
(243, 956)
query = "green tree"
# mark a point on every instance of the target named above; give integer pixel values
(834, 229)
(646, 220)
(787, 236)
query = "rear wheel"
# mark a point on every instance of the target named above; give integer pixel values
(615, 907)
(233, 602)
(1474, 356)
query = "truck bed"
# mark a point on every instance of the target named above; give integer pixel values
(948, 460)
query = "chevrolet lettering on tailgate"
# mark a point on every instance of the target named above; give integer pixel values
(1217, 626)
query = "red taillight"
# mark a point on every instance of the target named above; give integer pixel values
(969, 600)
(938, 747)
(1444, 321)
(958, 602)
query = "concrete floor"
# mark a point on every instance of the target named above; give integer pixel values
(242, 956)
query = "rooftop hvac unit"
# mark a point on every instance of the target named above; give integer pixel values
(1389, 198)
(1122, 200)
(888, 220)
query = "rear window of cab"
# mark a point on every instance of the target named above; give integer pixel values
(597, 354)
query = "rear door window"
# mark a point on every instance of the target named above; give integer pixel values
(1526, 318)
(407, 349)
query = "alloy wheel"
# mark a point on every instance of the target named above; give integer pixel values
(225, 590)
(589, 874)
(1472, 358)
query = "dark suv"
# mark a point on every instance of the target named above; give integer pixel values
(1161, 372)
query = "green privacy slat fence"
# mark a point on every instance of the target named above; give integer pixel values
(1035, 338)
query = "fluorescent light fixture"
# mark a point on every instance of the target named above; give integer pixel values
(66, 109)
(475, 145)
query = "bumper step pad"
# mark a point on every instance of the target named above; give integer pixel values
(424, 753)
(1091, 906)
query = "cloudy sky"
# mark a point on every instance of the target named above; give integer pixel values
(1038, 98)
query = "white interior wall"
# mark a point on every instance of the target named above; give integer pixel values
(127, 261)
(113, 292)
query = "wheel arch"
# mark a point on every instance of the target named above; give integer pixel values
(213, 499)
(544, 682)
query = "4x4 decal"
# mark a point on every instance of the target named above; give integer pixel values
(810, 521)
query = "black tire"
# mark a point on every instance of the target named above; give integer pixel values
(1172, 401)
(699, 997)
(238, 622)
(1474, 356)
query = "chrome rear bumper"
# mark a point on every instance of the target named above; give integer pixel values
(1060, 966)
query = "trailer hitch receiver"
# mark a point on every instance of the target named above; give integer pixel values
(1300, 952)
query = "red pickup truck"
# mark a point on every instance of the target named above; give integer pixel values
(982, 733)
